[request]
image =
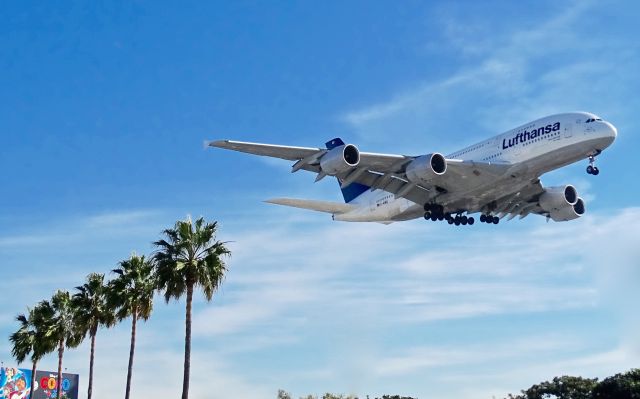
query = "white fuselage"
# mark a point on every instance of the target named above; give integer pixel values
(537, 148)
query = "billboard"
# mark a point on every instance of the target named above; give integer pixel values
(15, 383)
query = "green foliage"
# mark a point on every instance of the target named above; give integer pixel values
(58, 320)
(332, 396)
(23, 340)
(132, 289)
(564, 387)
(619, 386)
(285, 395)
(90, 304)
(29, 339)
(190, 256)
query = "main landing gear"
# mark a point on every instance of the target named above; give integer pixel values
(592, 169)
(489, 219)
(436, 212)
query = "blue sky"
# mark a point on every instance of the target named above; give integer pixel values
(104, 111)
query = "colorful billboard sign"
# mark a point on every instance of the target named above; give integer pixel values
(15, 383)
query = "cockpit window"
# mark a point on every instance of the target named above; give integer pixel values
(593, 120)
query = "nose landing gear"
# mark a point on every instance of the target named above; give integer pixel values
(592, 169)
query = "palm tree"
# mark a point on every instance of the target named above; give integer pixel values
(30, 339)
(59, 326)
(92, 312)
(189, 257)
(131, 294)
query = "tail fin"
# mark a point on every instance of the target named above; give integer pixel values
(353, 190)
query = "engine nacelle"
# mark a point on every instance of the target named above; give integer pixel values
(425, 168)
(568, 212)
(340, 159)
(559, 197)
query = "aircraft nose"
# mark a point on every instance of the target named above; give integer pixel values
(611, 130)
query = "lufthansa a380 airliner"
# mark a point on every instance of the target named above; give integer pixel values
(498, 177)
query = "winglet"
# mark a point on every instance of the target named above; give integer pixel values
(216, 143)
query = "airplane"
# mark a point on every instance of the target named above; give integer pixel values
(496, 177)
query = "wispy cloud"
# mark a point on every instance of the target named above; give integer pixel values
(418, 358)
(85, 229)
(344, 289)
(549, 64)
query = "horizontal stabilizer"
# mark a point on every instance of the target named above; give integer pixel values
(320, 206)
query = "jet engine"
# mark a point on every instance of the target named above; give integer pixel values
(558, 197)
(340, 159)
(425, 168)
(568, 212)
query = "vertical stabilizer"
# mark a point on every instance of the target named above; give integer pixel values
(353, 190)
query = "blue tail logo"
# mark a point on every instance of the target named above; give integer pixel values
(353, 190)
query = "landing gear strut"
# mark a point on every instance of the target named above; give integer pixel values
(592, 169)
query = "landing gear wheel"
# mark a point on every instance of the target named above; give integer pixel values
(450, 220)
(483, 218)
(471, 221)
(427, 215)
(464, 220)
(456, 220)
(496, 220)
(434, 217)
(592, 169)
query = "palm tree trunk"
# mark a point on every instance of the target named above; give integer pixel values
(93, 351)
(133, 347)
(60, 353)
(33, 378)
(187, 343)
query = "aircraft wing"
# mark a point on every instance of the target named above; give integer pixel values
(267, 150)
(526, 201)
(308, 155)
(521, 202)
(382, 171)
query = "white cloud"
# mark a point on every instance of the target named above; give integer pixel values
(494, 272)
(352, 291)
(116, 224)
(418, 358)
(543, 66)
